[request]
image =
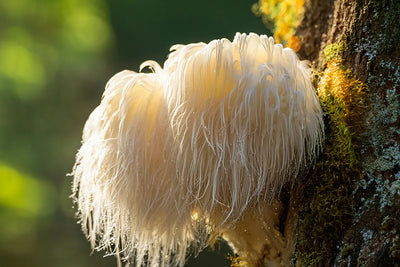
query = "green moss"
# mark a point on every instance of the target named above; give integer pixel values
(328, 203)
(333, 51)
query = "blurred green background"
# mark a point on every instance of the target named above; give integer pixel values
(55, 58)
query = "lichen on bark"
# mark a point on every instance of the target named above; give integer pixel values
(370, 32)
(328, 200)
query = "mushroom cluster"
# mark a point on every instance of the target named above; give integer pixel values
(172, 157)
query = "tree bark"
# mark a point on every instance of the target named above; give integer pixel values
(359, 225)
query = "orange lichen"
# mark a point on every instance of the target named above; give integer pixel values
(294, 43)
(285, 15)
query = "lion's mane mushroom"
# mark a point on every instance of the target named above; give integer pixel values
(172, 156)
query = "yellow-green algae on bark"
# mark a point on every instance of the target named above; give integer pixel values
(328, 200)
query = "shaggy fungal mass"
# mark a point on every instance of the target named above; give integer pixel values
(170, 158)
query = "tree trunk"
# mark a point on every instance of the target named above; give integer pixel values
(349, 212)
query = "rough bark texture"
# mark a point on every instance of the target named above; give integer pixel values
(362, 218)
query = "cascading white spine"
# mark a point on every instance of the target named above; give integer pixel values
(171, 155)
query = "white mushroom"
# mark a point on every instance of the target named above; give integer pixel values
(172, 156)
